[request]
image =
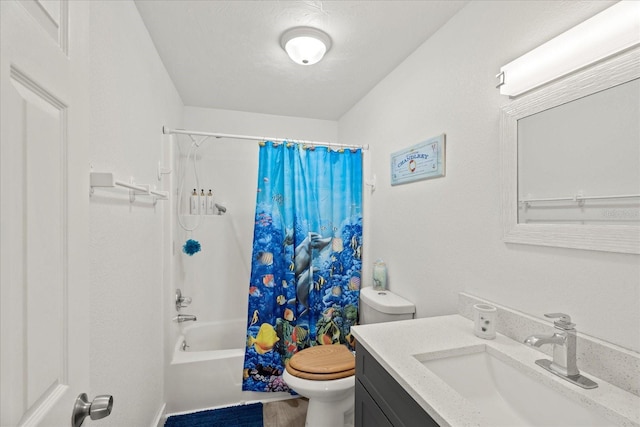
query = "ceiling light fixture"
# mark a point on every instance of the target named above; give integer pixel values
(305, 45)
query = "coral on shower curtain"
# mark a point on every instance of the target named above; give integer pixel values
(307, 247)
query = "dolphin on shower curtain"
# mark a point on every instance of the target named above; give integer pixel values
(307, 257)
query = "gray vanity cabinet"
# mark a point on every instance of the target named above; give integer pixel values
(381, 401)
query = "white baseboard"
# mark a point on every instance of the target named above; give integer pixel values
(160, 417)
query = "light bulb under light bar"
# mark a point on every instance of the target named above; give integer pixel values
(611, 31)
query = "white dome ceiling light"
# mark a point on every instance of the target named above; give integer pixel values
(305, 45)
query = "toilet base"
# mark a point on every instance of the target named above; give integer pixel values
(330, 414)
(329, 401)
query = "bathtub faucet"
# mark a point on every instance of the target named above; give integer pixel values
(185, 318)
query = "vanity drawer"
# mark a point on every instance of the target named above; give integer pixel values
(393, 402)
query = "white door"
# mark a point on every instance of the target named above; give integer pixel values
(44, 188)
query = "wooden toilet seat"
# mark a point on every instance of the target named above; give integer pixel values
(322, 363)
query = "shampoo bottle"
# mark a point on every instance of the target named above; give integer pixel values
(210, 207)
(193, 200)
(203, 203)
(379, 275)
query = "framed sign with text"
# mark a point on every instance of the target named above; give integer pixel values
(422, 161)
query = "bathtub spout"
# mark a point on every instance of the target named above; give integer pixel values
(184, 318)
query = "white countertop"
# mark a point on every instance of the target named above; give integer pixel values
(394, 345)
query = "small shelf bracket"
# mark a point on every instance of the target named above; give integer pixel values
(162, 171)
(371, 183)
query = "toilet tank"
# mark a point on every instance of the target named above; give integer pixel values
(383, 306)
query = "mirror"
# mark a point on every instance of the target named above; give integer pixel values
(579, 163)
(571, 160)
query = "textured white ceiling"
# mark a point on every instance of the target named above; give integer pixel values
(227, 54)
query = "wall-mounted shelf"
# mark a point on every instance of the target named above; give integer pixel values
(107, 180)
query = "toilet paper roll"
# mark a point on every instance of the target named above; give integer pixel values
(484, 318)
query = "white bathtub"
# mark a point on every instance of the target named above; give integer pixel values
(209, 373)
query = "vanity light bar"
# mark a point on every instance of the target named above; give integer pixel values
(611, 31)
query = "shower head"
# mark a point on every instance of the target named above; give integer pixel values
(221, 209)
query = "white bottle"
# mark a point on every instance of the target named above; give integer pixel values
(210, 207)
(379, 275)
(193, 203)
(203, 203)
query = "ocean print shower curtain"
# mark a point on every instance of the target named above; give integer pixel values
(306, 267)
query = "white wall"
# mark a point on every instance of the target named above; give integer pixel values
(443, 236)
(131, 98)
(217, 278)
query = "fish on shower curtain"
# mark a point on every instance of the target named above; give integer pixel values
(306, 266)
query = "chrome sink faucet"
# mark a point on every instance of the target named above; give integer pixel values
(564, 362)
(564, 344)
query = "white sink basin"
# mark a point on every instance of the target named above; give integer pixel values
(507, 396)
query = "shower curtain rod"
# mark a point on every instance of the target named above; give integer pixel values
(169, 131)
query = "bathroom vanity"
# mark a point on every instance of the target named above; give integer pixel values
(380, 400)
(436, 372)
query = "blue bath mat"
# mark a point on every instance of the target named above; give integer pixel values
(233, 416)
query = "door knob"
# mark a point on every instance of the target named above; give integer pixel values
(99, 408)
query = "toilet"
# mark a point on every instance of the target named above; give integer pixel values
(325, 374)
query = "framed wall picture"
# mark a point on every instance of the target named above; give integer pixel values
(422, 161)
